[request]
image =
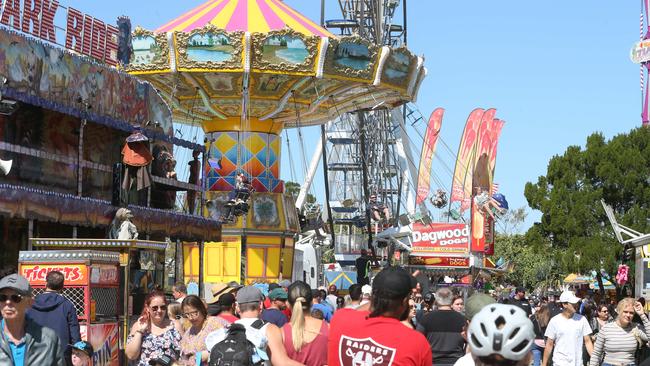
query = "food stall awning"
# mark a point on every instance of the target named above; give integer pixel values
(576, 279)
(608, 285)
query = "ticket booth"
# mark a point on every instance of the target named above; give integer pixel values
(140, 269)
(92, 282)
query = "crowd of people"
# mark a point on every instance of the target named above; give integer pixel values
(391, 322)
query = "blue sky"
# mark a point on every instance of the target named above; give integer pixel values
(555, 70)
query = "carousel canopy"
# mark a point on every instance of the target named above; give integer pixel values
(245, 15)
(231, 62)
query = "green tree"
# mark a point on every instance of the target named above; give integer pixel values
(573, 222)
(293, 189)
(531, 266)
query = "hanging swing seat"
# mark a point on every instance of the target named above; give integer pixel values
(357, 221)
(345, 209)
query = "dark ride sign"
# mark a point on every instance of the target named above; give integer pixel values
(84, 34)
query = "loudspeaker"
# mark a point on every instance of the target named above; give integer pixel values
(117, 197)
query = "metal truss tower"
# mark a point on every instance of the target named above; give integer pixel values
(362, 149)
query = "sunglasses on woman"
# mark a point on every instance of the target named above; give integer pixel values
(161, 307)
(15, 298)
(191, 314)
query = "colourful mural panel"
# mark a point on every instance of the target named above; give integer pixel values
(256, 154)
(44, 75)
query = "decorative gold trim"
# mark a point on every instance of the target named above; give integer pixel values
(182, 39)
(332, 68)
(401, 83)
(259, 63)
(161, 42)
(235, 124)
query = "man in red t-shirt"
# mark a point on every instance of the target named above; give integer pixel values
(377, 337)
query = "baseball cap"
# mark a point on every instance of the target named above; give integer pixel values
(285, 283)
(273, 286)
(366, 290)
(162, 360)
(84, 347)
(393, 283)
(226, 299)
(17, 283)
(278, 294)
(429, 297)
(249, 294)
(475, 303)
(570, 297)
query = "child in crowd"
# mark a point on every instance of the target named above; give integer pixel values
(82, 354)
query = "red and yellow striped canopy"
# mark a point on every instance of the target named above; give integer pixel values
(245, 15)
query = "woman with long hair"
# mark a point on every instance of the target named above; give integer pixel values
(540, 320)
(174, 312)
(304, 337)
(410, 320)
(193, 345)
(602, 317)
(617, 341)
(153, 335)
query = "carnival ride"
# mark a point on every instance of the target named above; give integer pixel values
(379, 195)
(640, 54)
(243, 71)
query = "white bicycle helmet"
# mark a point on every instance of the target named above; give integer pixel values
(501, 329)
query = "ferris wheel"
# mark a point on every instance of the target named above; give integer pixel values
(367, 169)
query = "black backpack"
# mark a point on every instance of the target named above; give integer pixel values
(235, 349)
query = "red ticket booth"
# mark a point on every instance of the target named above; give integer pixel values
(92, 284)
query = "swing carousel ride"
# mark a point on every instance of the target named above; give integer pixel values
(245, 70)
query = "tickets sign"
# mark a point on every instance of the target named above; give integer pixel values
(75, 274)
(439, 261)
(440, 238)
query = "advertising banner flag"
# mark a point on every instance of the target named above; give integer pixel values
(461, 188)
(482, 223)
(428, 148)
(496, 133)
(487, 133)
(440, 238)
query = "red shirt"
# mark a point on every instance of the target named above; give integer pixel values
(228, 317)
(286, 311)
(356, 339)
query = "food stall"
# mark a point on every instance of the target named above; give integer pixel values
(140, 266)
(92, 281)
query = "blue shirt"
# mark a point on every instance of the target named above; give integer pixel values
(17, 351)
(325, 309)
(274, 316)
